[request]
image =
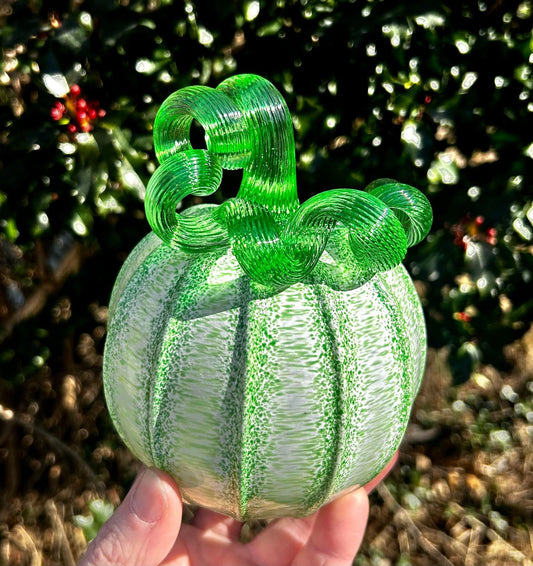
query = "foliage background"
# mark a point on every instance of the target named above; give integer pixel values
(435, 94)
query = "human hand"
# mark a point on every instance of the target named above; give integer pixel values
(146, 530)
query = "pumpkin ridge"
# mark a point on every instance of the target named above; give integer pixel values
(372, 386)
(325, 479)
(348, 358)
(174, 337)
(141, 253)
(260, 383)
(398, 332)
(417, 321)
(124, 328)
(232, 413)
(158, 338)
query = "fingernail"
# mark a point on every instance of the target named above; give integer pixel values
(149, 501)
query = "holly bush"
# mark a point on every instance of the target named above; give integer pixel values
(434, 94)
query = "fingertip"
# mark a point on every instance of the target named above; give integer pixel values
(353, 506)
(170, 488)
(359, 499)
(149, 500)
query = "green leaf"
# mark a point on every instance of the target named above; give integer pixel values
(10, 229)
(71, 35)
(56, 84)
(101, 511)
(87, 525)
(269, 29)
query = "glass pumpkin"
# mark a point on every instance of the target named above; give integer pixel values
(266, 354)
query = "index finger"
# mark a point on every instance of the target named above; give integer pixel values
(337, 533)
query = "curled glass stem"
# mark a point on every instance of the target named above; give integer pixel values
(276, 240)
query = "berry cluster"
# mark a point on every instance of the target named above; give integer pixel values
(463, 316)
(468, 229)
(76, 111)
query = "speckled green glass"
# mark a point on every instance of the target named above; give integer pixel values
(265, 353)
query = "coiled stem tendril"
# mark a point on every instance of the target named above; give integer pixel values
(276, 240)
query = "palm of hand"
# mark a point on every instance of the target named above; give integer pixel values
(330, 536)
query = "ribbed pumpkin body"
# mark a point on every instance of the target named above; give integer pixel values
(259, 405)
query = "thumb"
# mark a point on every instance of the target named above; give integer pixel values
(145, 526)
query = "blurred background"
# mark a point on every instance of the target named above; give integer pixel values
(433, 94)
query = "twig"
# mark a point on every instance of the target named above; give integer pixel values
(12, 472)
(5, 546)
(417, 435)
(403, 515)
(473, 540)
(7, 432)
(21, 538)
(493, 535)
(33, 305)
(454, 544)
(56, 443)
(57, 524)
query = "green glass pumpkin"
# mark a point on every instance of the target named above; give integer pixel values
(264, 353)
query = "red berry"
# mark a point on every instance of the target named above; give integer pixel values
(75, 90)
(492, 232)
(101, 113)
(427, 100)
(86, 127)
(56, 113)
(479, 220)
(92, 114)
(81, 115)
(72, 128)
(81, 104)
(464, 317)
